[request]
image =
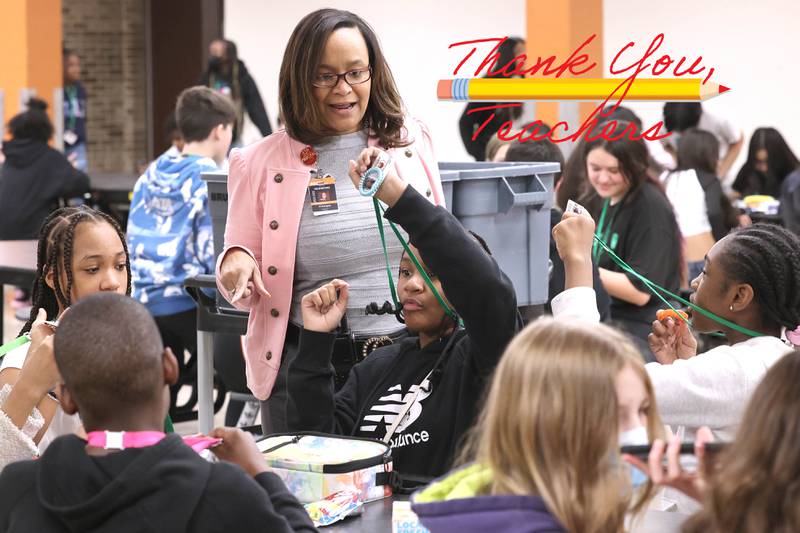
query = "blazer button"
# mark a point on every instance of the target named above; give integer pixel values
(274, 312)
(272, 270)
(409, 153)
(278, 178)
(273, 225)
(428, 193)
(269, 356)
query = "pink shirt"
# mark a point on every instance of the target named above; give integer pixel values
(267, 187)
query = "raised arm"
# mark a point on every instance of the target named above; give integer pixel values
(312, 403)
(481, 293)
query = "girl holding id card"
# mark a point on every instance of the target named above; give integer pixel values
(636, 221)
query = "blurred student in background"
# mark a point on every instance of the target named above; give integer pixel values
(769, 161)
(74, 112)
(470, 122)
(680, 116)
(227, 74)
(704, 213)
(34, 176)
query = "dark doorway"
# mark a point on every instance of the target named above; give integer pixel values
(179, 32)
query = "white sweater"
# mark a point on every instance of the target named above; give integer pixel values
(17, 444)
(711, 389)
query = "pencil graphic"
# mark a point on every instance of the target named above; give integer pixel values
(516, 89)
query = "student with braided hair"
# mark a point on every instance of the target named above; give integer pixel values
(81, 251)
(751, 279)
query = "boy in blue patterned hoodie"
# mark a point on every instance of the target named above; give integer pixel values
(169, 225)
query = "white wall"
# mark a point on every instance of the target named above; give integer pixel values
(752, 45)
(414, 35)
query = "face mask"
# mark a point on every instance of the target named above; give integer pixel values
(215, 63)
(633, 437)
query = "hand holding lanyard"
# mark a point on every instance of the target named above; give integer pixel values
(369, 183)
(600, 246)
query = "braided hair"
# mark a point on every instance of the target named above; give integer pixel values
(54, 252)
(767, 257)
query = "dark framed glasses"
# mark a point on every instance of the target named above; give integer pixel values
(352, 77)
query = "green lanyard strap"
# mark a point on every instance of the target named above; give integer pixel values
(72, 97)
(597, 252)
(598, 234)
(16, 343)
(385, 252)
(380, 210)
(656, 289)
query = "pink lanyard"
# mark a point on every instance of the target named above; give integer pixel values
(121, 440)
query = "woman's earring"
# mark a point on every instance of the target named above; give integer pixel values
(731, 308)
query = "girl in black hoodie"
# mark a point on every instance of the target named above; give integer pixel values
(34, 176)
(439, 370)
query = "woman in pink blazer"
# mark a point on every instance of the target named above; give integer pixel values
(294, 219)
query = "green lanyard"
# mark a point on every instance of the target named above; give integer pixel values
(16, 343)
(656, 289)
(447, 309)
(25, 338)
(72, 97)
(597, 251)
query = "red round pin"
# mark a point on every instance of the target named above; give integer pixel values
(308, 156)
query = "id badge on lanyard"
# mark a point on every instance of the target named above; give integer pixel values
(322, 192)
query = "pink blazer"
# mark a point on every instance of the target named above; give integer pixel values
(267, 184)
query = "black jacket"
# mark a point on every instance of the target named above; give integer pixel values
(249, 98)
(166, 487)
(32, 179)
(722, 216)
(379, 386)
(470, 122)
(789, 209)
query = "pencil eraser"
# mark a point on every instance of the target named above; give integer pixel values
(444, 89)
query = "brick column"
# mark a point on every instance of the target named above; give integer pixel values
(109, 37)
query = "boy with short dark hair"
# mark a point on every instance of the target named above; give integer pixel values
(169, 226)
(116, 373)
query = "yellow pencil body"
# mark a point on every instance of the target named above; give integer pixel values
(516, 89)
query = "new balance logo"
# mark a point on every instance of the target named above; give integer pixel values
(387, 408)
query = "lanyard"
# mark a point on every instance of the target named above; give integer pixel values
(9, 346)
(597, 251)
(657, 289)
(447, 309)
(72, 97)
(122, 440)
(26, 338)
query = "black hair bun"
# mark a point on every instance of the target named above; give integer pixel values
(37, 104)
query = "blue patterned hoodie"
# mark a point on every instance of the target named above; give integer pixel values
(169, 232)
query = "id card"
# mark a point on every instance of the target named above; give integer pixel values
(575, 207)
(70, 137)
(322, 192)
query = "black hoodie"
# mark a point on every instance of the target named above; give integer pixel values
(249, 97)
(166, 487)
(425, 444)
(32, 179)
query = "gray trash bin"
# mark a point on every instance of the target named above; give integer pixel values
(217, 182)
(508, 204)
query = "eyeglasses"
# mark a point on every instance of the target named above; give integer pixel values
(352, 77)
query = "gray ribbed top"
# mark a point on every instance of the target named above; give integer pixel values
(345, 245)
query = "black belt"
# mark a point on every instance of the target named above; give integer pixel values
(349, 349)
